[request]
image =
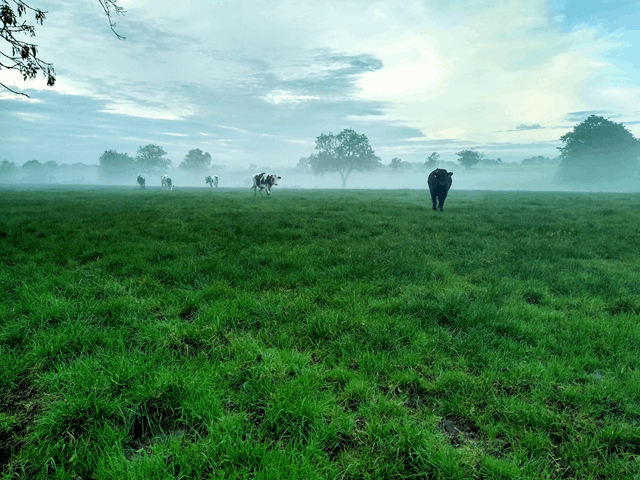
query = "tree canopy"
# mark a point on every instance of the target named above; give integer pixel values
(469, 158)
(152, 157)
(432, 159)
(33, 166)
(112, 162)
(598, 149)
(20, 55)
(303, 163)
(196, 161)
(397, 164)
(343, 153)
(7, 168)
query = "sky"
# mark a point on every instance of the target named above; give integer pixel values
(255, 82)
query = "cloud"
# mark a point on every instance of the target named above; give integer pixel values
(583, 115)
(283, 96)
(528, 127)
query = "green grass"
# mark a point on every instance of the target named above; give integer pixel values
(359, 334)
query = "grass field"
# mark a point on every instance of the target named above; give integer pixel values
(318, 334)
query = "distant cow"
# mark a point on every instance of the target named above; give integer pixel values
(439, 184)
(166, 182)
(264, 180)
(142, 181)
(212, 180)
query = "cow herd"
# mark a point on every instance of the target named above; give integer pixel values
(439, 182)
(260, 180)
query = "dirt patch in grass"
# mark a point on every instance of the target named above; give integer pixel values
(22, 404)
(532, 298)
(188, 346)
(143, 441)
(343, 441)
(188, 314)
(623, 306)
(459, 430)
(415, 396)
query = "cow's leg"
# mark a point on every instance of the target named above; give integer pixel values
(434, 200)
(443, 196)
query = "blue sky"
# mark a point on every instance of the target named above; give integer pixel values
(257, 82)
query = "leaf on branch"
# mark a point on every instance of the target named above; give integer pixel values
(40, 16)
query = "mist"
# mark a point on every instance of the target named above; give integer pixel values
(505, 177)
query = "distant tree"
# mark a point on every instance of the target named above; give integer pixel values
(397, 164)
(152, 157)
(7, 168)
(490, 161)
(432, 160)
(343, 153)
(537, 160)
(51, 164)
(469, 158)
(16, 54)
(253, 167)
(303, 163)
(33, 166)
(598, 149)
(196, 161)
(113, 163)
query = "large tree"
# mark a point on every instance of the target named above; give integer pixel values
(152, 157)
(343, 153)
(469, 158)
(113, 163)
(196, 161)
(18, 54)
(598, 149)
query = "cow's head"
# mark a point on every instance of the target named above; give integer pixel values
(274, 178)
(441, 176)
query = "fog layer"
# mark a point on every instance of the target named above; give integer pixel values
(487, 177)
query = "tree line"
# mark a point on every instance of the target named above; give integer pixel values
(596, 149)
(151, 158)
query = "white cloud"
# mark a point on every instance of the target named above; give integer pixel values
(282, 96)
(134, 110)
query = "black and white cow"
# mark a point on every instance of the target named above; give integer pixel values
(264, 180)
(166, 182)
(439, 184)
(212, 180)
(142, 181)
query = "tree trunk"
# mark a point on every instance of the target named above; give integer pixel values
(344, 176)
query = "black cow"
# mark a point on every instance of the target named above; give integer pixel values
(439, 184)
(264, 180)
(141, 181)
